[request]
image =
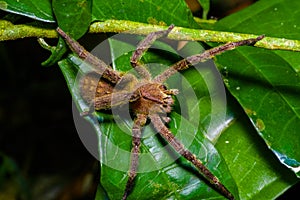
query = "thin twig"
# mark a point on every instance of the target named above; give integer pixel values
(8, 31)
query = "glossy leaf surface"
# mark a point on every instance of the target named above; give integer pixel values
(35, 9)
(267, 83)
(148, 11)
(164, 178)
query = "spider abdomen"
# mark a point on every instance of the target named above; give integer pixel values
(92, 86)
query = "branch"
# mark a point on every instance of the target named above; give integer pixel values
(8, 31)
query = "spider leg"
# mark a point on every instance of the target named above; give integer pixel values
(176, 144)
(139, 122)
(97, 65)
(142, 47)
(110, 101)
(208, 54)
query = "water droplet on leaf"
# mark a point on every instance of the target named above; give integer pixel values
(260, 124)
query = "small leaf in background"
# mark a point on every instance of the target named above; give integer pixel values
(36, 9)
(205, 4)
(12, 181)
(73, 17)
(56, 53)
(267, 83)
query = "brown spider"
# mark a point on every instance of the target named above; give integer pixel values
(148, 97)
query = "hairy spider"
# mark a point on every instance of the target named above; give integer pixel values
(148, 97)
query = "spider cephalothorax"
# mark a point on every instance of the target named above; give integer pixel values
(147, 96)
(153, 98)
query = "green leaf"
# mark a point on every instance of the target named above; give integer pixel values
(69, 68)
(74, 17)
(164, 12)
(205, 4)
(255, 169)
(267, 83)
(164, 177)
(10, 174)
(274, 18)
(101, 195)
(177, 180)
(35, 9)
(56, 53)
(210, 102)
(269, 91)
(172, 180)
(246, 156)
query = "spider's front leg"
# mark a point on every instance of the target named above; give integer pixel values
(179, 147)
(139, 122)
(208, 54)
(142, 47)
(97, 65)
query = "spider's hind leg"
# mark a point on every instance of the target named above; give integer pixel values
(139, 122)
(142, 47)
(178, 146)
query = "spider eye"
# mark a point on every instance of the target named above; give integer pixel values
(163, 87)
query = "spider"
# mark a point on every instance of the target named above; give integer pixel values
(148, 98)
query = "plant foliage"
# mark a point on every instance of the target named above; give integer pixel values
(254, 149)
